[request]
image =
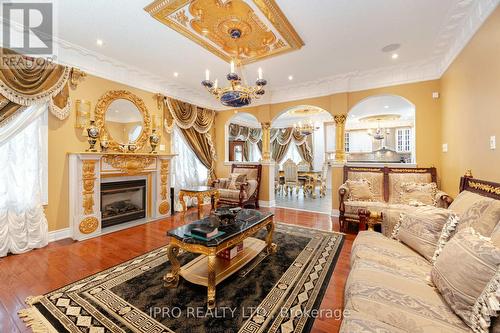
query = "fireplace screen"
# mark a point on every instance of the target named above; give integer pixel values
(123, 201)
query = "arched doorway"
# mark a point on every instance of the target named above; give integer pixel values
(381, 129)
(243, 138)
(303, 138)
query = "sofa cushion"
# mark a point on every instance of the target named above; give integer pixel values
(399, 300)
(352, 207)
(420, 228)
(464, 201)
(424, 193)
(357, 322)
(397, 179)
(235, 179)
(251, 173)
(468, 277)
(376, 180)
(373, 246)
(359, 190)
(483, 216)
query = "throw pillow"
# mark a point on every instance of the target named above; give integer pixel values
(468, 277)
(483, 216)
(360, 190)
(423, 193)
(420, 228)
(235, 179)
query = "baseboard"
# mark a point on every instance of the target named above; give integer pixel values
(335, 213)
(59, 234)
(267, 204)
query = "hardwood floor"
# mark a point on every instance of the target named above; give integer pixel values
(60, 263)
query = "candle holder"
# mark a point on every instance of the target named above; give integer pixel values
(93, 134)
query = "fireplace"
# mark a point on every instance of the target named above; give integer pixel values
(123, 201)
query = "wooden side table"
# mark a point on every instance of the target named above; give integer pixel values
(369, 219)
(199, 192)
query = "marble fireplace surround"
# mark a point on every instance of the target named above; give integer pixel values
(88, 169)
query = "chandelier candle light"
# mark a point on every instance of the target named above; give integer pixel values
(237, 94)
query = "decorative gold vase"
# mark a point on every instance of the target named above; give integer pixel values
(93, 134)
(154, 140)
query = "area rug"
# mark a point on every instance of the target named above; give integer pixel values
(280, 292)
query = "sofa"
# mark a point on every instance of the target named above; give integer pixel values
(392, 287)
(242, 186)
(386, 189)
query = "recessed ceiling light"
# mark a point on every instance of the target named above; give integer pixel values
(99, 42)
(395, 56)
(290, 77)
(176, 74)
(386, 106)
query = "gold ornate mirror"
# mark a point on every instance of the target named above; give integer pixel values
(124, 117)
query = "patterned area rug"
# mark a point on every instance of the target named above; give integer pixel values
(279, 292)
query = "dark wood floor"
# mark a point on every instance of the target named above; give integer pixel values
(65, 261)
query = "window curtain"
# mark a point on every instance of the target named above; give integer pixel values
(195, 124)
(305, 151)
(282, 138)
(251, 136)
(25, 84)
(23, 225)
(187, 168)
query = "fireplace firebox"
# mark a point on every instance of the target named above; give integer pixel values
(123, 201)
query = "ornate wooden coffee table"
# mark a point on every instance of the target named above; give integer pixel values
(208, 269)
(200, 192)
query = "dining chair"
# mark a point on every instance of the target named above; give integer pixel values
(291, 176)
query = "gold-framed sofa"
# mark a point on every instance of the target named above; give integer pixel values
(392, 287)
(385, 184)
(245, 193)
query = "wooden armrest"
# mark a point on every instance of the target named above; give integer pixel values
(243, 186)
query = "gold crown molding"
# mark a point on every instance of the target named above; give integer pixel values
(88, 180)
(88, 225)
(129, 164)
(211, 21)
(102, 106)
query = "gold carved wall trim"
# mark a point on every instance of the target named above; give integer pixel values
(129, 164)
(88, 225)
(484, 187)
(88, 181)
(164, 205)
(340, 119)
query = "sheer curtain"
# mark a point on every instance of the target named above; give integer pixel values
(293, 154)
(187, 168)
(23, 144)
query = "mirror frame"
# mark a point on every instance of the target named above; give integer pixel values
(103, 105)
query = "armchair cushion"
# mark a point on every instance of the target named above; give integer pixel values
(360, 190)
(232, 195)
(483, 216)
(464, 201)
(235, 179)
(424, 193)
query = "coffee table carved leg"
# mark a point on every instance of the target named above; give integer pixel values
(183, 203)
(172, 277)
(211, 281)
(271, 247)
(200, 205)
(216, 199)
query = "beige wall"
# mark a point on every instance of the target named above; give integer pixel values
(64, 138)
(471, 108)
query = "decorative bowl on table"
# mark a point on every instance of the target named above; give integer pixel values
(227, 216)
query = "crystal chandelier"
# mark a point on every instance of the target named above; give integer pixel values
(237, 94)
(379, 132)
(306, 128)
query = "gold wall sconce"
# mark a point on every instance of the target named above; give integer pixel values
(83, 113)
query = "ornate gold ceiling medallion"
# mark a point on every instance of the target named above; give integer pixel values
(261, 27)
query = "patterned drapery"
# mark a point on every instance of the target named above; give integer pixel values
(281, 138)
(305, 151)
(28, 81)
(195, 124)
(239, 132)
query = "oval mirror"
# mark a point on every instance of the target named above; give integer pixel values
(124, 121)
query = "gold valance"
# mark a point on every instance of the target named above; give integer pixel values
(187, 115)
(28, 81)
(284, 135)
(239, 132)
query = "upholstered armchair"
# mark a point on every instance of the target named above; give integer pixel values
(386, 191)
(241, 188)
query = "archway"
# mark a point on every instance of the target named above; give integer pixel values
(381, 129)
(242, 138)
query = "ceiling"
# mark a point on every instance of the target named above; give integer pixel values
(342, 52)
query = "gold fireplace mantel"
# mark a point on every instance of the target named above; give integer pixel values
(88, 169)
